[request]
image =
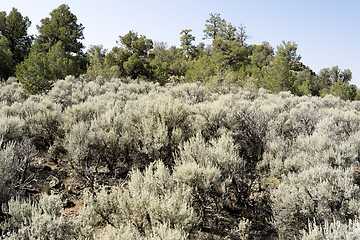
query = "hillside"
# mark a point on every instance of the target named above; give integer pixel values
(120, 159)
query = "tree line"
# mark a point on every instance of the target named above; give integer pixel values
(38, 61)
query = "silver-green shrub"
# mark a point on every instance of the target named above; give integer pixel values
(128, 134)
(11, 92)
(160, 232)
(61, 93)
(78, 144)
(211, 117)
(151, 201)
(37, 118)
(101, 143)
(209, 169)
(309, 151)
(45, 128)
(338, 124)
(241, 231)
(332, 230)
(15, 159)
(9, 170)
(190, 93)
(42, 220)
(320, 193)
(85, 111)
(239, 153)
(11, 128)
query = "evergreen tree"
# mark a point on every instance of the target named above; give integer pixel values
(35, 74)
(165, 62)
(14, 28)
(115, 59)
(38, 72)
(133, 57)
(61, 63)
(96, 59)
(134, 43)
(342, 90)
(186, 40)
(61, 26)
(213, 26)
(57, 52)
(281, 76)
(322, 82)
(6, 62)
(230, 54)
(241, 35)
(134, 66)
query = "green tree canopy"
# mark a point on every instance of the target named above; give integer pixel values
(61, 26)
(60, 63)
(241, 35)
(134, 43)
(35, 74)
(328, 77)
(57, 52)
(166, 62)
(213, 26)
(231, 54)
(14, 28)
(288, 51)
(6, 62)
(262, 55)
(186, 40)
(133, 57)
(336, 75)
(96, 60)
(38, 72)
(343, 90)
(115, 59)
(281, 76)
(216, 27)
(134, 66)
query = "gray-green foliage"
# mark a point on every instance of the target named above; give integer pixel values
(159, 232)
(10, 92)
(11, 128)
(332, 230)
(37, 118)
(15, 158)
(152, 200)
(9, 170)
(311, 151)
(320, 193)
(177, 202)
(233, 154)
(207, 167)
(241, 231)
(42, 220)
(121, 133)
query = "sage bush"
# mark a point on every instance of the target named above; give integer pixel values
(183, 160)
(42, 220)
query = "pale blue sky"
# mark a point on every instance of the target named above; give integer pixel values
(327, 31)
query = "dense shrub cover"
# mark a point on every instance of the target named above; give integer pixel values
(333, 230)
(180, 161)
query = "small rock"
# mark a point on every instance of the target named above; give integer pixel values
(54, 182)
